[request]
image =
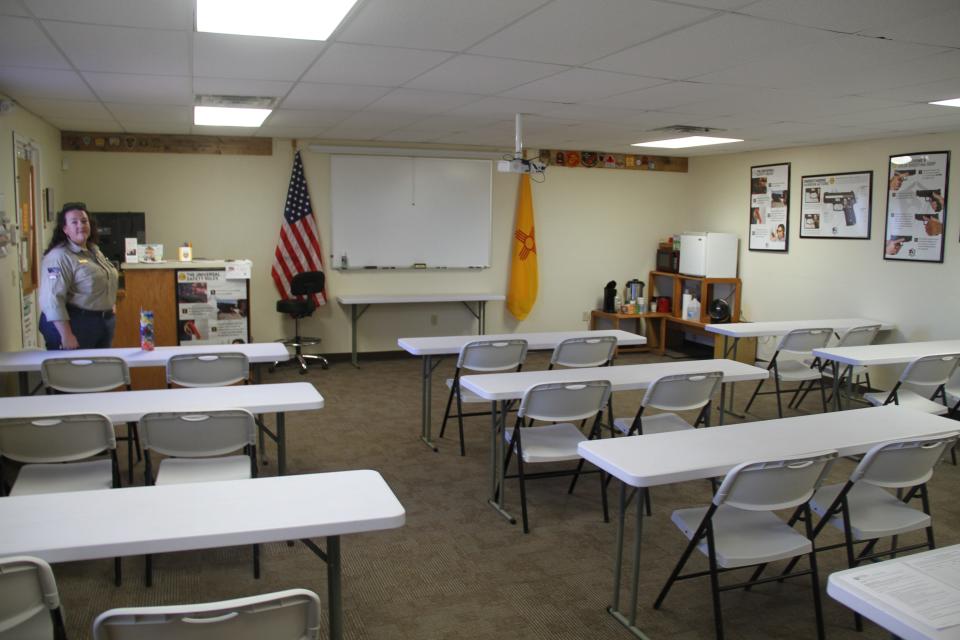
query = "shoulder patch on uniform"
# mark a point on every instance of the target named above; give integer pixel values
(53, 272)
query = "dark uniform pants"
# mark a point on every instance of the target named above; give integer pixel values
(93, 330)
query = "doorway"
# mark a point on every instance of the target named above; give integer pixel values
(30, 223)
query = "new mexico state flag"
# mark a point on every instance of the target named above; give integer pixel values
(522, 292)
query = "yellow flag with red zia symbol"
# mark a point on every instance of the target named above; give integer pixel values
(522, 292)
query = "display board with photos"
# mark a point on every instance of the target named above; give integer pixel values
(770, 207)
(212, 308)
(916, 206)
(836, 205)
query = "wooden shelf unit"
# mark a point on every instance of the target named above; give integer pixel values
(673, 284)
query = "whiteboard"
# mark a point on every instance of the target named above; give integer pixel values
(401, 213)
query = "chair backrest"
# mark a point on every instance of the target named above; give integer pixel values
(564, 401)
(584, 352)
(28, 595)
(293, 614)
(682, 392)
(930, 371)
(303, 284)
(904, 463)
(52, 439)
(859, 336)
(774, 484)
(492, 355)
(207, 369)
(198, 434)
(84, 375)
(805, 340)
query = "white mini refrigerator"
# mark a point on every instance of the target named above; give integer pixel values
(708, 255)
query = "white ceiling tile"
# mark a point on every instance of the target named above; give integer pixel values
(447, 123)
(720, 5)
(490, 136)
(126, 87)
(240, 87)
(668, 95)
(332, 96)
(378, 120)
(477, 74)
(286, 132)
(368, 64)
(168, 14)
(848, 16)
(936, 28)
(12, 8)
(43, 83)
(230, 56)
(711, 45)
(946, 122)
(74, 123)
(898, 74)
(880, 116)
(404, 135)
(23, 44)
(596, 29)
(593, 113)
(579, 85)
(424, 102)
(504, 107)
(161, 114)
(306, 118)
(122, 49)
(926, 92)
(447, 25)
(48, 108)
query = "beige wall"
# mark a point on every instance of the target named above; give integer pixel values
(592, 226)
(834, 278)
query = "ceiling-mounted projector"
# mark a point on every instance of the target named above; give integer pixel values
(518, 164)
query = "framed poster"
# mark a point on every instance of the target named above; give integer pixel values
(836, 205)
(916, 206)
(770, 207)
(212, 309)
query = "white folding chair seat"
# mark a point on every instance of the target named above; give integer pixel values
(59, 478)
(909, 399)
(181, 470)
(293, 614)
(680, 392)
(928, 372)
(29, 600)
(874, 512)
(659, 423)
(550, 443)
(796, 371)
(483, 356)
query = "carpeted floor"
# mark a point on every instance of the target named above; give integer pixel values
(458, 570)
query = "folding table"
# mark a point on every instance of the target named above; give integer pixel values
(504, 387)
(648, 461)
(429, 347)
(83, 525)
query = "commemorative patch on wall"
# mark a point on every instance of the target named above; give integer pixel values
(605, 160)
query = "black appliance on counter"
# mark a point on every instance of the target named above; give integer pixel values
(610, 297)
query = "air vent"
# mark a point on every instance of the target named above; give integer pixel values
(238, 102)
(686, 128)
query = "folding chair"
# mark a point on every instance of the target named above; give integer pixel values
(293, 614)
(797, 343)
(93, 375)
(560, 404)
(207, 369)
(929, 372)
(484, 356)
(29, 601)
(197, 445)
(60, 454)
(855, 337)
(738, 528)
(680, 392)
(579, 353)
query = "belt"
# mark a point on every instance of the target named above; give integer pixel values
(88, 312)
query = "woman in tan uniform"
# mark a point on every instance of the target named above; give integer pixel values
(78, 285)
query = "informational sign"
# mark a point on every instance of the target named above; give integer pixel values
(212, 309)
(770, 207)
(836, 205)
(916, 206)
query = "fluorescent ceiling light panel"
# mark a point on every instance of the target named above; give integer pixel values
(299, 19)
(229, 117)
(952, 102)
(683, 143)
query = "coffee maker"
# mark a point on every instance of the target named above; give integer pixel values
(610, 297)
(633, 291)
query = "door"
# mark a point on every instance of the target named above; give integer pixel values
(27, 161)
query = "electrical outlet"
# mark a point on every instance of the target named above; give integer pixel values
(586, 316)
(433, 320)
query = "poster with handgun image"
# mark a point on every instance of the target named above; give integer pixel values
(836, 205)
(212, 309)
(769, 207)
(916, 206)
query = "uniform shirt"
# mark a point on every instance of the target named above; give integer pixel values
(79, 276)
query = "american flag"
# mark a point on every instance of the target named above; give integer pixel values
(298, 249)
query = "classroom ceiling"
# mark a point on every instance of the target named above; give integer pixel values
(591, 74)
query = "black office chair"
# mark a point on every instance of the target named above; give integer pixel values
(302, 286)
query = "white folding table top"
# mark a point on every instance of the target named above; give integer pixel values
(781, 327)
(130, 406)
(257, 352)
(448, 345)
(897, 353)
(374, 298)
(664, 458)
(846, 587)
(510, 386)
(82, 525)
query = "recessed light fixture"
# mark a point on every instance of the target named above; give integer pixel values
(299, 19)
(901, 160)
(688, 141)
(229, 117)
(952, 102)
